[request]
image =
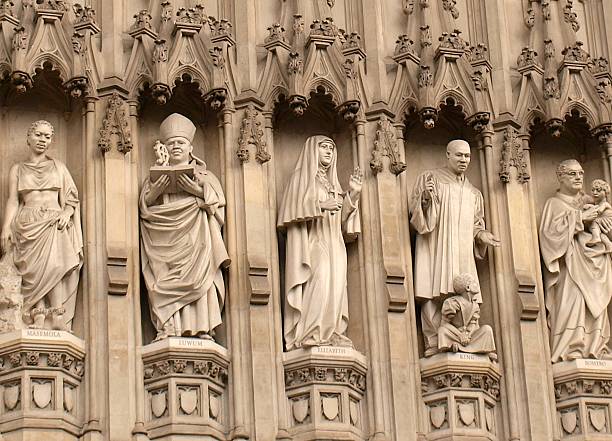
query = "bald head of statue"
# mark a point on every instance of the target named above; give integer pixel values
(458, 156)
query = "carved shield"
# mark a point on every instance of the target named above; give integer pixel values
(568, 421)
(214, 405)
(330, 407)
(354, 412)
(437, 415)
(11, 396)
(466, 413)
(68, 398)
(300, 410)
(598, 418)
(490, 419)
(41, 392)
(188, 400)
(158, 404)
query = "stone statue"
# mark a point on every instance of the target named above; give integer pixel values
(600, 193)
(183, 253)
(447, 213)
(42, 228)
(460, 330)
(578, 269)
(315, 213)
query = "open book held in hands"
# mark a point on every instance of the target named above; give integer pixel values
(173, 172)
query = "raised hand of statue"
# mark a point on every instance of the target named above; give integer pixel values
(158, 187)
(330, 204)
(486, 238)
(430, 189)
(6, 241)
(189, 185)
(355, 183)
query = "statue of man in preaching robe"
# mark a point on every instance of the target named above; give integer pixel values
(578, 270)
(447, 213)
(183, 253)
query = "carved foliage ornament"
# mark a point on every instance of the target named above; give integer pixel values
(323, 374)
(84, 14)
(6, 7)
(403, 45)
(576, 54)
(115, 123)
(276, 33)
(189, 367)
(527, 57)
(513, 155)
(453, 40)
(483, 382)
(251, 133)
(451, 6)
(569, 16)
(325, 27)
(385, 144)
(193, 15)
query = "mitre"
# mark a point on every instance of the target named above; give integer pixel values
(177, 125)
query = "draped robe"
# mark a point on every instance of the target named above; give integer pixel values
(45, 256)
(316, 304)
(578, 279)
(445, 245)
(183, 256)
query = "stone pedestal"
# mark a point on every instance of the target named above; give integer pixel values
(185, 382)
(40, 381)
(325, 387)
(460, 392)
(583, 391)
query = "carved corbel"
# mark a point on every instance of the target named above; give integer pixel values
(160, 90)
(513, 156)
(386, 165)
(20, 77)
(85, 26)
(115, 128)
(252, 135)
(252, 143)
(514, 173)
(385, 146)
(428, 116)
(478, 121)
(115, 142)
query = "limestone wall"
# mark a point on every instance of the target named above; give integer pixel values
(422, 72)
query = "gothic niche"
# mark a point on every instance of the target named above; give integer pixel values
(318, 186)
(182, 216)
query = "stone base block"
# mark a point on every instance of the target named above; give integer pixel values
(325, 387)
(460, 392)
(185, 382)
(40, 384)
(583, 391)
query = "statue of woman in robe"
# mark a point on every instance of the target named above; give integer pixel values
(183, 253)
(315, 213)
(42, 229)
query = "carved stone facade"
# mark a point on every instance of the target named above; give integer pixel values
(389, 83)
